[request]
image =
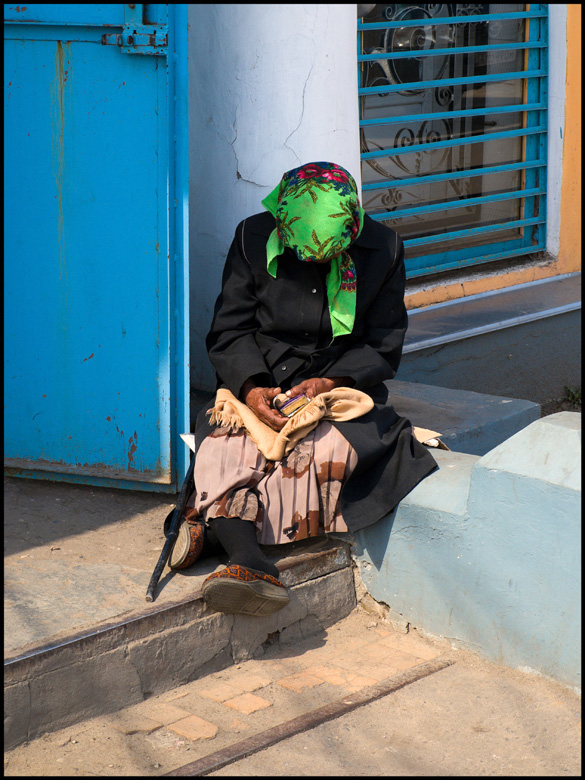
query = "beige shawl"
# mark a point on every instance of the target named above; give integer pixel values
(342, 403)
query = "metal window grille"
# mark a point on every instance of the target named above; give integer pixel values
(453, 122)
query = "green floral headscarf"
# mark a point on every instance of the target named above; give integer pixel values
(318, 215)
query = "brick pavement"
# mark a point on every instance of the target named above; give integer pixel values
(344, 664)
(220, 709)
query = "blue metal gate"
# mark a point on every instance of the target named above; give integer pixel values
(453, 120)
(96, 252)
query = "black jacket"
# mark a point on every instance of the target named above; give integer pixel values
(279, 332)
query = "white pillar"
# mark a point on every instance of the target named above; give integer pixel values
(271, 87)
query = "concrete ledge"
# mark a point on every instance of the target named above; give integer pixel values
(507, 361)
(115, 665)
(486, 551)
(470, 422)
(499, 340)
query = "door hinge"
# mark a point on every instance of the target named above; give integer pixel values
(137, 37)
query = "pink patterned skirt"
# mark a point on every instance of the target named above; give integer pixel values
(287, 500)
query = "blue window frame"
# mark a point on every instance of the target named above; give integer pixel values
(453, 123)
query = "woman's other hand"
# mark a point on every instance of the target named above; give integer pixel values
(259, 400)
(318, 385)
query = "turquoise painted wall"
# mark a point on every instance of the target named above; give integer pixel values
(486, 551)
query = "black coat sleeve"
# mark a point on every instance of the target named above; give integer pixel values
(377, 354)
(231, 345)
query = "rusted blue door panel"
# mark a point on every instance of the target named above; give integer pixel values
(66, 15)
(95, 256)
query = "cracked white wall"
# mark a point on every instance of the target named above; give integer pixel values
(270, 87)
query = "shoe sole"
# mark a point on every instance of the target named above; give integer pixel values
(247, 598)
(181, 555)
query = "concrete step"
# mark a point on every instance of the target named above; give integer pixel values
(79, 636)
(469, 422)
(110, 665)
(499, 341)
(80, 639)
(487, 551)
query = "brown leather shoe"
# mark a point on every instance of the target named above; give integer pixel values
(188, 545)
(237, 589)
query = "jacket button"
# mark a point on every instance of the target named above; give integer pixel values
(313, 290)
(283, 368)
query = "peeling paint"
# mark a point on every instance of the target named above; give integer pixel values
(132, 449)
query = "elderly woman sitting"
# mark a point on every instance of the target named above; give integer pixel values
(312, 303)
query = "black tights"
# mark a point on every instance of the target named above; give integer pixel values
(238, 538)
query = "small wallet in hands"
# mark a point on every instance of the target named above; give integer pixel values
(290, 406)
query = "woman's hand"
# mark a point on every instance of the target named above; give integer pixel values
(318, 385)
(259, 399)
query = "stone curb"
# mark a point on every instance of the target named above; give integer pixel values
(121, 664)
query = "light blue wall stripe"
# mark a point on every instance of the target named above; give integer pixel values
(396, 55)
(454, 234)
(449, 261)
(453, 114)
(514, 76)
(457, 204)
(414, 180)
(474, 139)
(451, 20)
